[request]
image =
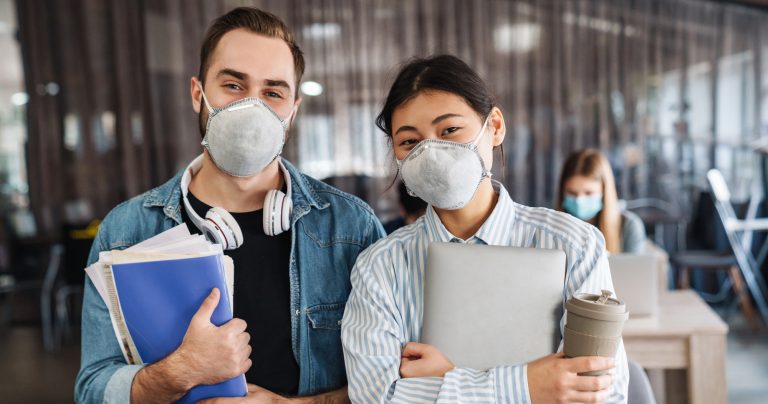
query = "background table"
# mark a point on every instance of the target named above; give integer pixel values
(687, 335)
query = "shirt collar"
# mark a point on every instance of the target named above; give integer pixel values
(496, 230)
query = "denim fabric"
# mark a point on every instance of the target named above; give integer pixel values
(329, 229)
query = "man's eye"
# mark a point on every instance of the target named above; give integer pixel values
(273, 94)
(233, 86)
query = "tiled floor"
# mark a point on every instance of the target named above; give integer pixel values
(747, 363)
(29, 375)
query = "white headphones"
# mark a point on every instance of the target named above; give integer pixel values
(221, 228)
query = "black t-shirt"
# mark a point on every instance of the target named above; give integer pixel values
(262, 299)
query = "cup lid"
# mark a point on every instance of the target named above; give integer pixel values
(599, 307)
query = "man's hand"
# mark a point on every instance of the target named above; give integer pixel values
(258, 395)
(211, 354)
(422, 360)
(207, 355)
(255, 395)
(554, 379)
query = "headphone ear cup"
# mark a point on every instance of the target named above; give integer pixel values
(277, 212)
(212, 232)
(286, 208)
(269, 213)
(230, 230)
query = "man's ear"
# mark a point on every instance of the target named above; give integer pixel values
(295, 111)
(496, 122)
(196, 94)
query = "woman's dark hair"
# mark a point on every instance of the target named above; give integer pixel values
(441, 72)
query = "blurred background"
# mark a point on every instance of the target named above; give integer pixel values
(95, 109)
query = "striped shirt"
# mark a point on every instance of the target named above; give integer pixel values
(385, 309)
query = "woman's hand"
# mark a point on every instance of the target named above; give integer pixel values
(555, 379)
(422, 360)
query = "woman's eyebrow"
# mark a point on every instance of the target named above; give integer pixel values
(434, 122)
(405, 128)
(444, 117)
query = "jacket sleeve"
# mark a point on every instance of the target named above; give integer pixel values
(104, 375)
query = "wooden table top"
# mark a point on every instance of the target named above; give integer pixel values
(681, 313)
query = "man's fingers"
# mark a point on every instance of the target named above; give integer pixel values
(590, 363)
(206, 309)
(235, 325)
(247, 365)
(243, 339)
(220, 400)
(246, 351)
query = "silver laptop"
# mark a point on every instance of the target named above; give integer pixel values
(486, 306)
(635, 278)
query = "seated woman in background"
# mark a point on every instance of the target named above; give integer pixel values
(588, 192)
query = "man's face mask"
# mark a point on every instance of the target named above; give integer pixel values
(243, 137)
(444, 174)
(583, 207)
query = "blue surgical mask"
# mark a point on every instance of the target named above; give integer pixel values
(584, 207)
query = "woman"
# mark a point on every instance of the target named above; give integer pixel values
(444, 124)
(588, 192)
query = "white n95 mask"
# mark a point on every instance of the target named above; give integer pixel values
(244, 136)
(444, 174)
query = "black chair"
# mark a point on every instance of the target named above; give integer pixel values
(708, 251)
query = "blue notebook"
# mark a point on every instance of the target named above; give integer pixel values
(158, 300)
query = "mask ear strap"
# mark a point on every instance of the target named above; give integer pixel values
(482, 131)
(205, 99)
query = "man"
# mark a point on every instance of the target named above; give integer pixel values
(290, 287)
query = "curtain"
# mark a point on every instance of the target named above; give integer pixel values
(667, 89)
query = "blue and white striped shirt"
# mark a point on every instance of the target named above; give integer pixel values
(385, 309)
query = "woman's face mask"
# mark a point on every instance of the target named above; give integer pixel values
(444, 174)
(243, 137)
(583, 207)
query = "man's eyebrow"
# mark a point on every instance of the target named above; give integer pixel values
(234, 73)
(277, 83)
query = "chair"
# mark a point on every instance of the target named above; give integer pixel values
(711, 253)
(658, 214)
(739, 233)
(46, 294)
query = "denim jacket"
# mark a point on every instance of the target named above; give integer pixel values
(329, 229)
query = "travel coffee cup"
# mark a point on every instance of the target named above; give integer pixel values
(593, 325)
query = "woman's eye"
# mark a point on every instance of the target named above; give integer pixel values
(448, 131)
(408, 142)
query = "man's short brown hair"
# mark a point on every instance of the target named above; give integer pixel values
(256, 21)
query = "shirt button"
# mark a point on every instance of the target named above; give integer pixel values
(298, 313)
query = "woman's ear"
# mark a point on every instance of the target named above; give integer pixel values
(496, 123)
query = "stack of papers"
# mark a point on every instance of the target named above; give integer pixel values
(153, 289)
